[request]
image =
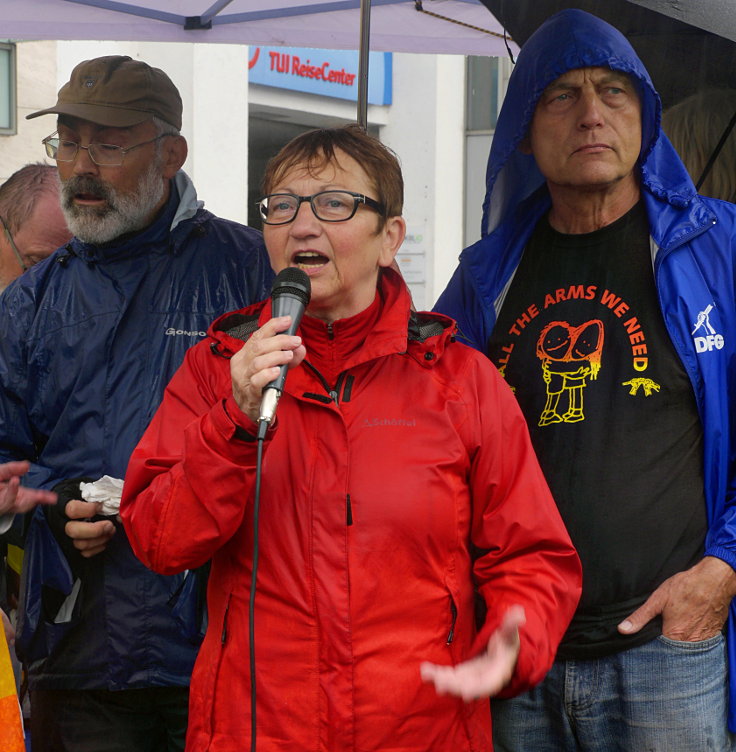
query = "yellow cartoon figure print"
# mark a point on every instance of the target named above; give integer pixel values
(570, 356)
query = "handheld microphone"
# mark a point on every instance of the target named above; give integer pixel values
(290, 293)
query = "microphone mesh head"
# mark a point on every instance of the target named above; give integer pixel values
(292, 281)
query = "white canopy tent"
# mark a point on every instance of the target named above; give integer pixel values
(442, 26)
(430, 26)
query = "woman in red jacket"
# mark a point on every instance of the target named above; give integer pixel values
(399, 489)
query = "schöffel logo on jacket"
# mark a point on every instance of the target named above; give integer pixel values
(373, 422)
(183, 333)
(707, 338)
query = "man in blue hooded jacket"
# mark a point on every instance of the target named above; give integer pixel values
(603, 290)
(88, 341)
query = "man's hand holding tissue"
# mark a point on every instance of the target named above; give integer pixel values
(83, 515)
(89, 538)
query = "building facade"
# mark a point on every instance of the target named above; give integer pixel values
(241, 104)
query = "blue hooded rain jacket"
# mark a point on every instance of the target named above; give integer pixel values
(89, 338)
(692, 241)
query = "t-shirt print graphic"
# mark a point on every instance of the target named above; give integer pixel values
(570, 356)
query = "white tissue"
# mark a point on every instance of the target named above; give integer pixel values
(107, 491)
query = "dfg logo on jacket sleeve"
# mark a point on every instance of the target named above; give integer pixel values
(708, 339)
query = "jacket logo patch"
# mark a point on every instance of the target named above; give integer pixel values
(708, 338)
(171, 332)
(373, 422)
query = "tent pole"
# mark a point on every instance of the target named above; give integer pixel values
(365, 38)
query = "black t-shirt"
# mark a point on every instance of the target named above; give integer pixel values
(581, 340)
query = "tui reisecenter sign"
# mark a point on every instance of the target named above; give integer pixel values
(330, 73)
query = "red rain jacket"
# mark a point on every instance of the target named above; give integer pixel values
(389, 498)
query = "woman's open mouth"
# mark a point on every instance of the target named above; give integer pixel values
(309, 260)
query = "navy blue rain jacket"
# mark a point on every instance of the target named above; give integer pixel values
(692, 238)
(89, 338)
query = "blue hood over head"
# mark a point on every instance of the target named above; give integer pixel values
(569, 40)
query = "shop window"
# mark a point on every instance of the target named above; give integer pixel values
(486, 80)
(7, 89)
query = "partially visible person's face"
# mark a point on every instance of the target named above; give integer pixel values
(342, 259)
(41, 234)
(586, 130)
(102, 203)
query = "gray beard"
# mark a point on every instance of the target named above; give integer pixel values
(123, 213)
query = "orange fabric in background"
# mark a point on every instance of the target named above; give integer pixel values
(11, 723)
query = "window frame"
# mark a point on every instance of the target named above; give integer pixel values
(11, 128)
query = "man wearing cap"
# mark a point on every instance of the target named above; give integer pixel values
(88, 340)
(603, 290)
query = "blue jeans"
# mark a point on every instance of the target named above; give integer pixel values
(664, 696)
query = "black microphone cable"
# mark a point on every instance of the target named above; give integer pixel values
(290, 295)
(252, 598)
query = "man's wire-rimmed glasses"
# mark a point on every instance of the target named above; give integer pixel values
(329, 206)
(17, 253)
(103, 155)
